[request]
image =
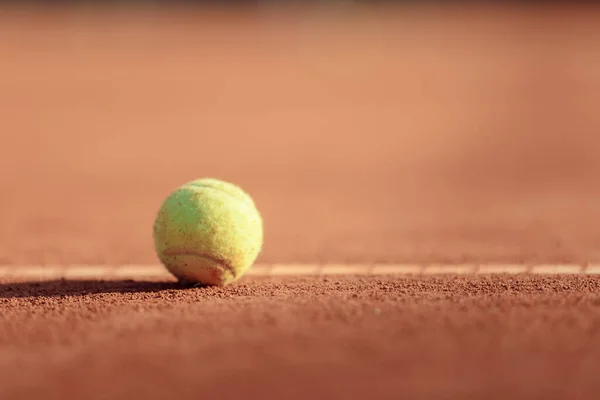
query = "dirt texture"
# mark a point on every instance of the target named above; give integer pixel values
(412, 134)
(318, 338)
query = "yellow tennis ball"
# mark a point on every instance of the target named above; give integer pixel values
(208, 232)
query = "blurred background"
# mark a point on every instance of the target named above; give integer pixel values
(366, 132)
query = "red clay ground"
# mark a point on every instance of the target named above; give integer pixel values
(319, 338)
(397, 136)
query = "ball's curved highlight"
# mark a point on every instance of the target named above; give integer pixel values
(208, 232)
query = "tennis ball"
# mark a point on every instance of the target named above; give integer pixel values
(208, 232)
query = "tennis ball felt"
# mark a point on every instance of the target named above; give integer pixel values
(208, 232)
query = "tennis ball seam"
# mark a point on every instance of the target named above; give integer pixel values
(238, 198)
(177, 253)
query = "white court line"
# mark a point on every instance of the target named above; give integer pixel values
(557, 269)
(396, 269)
(503, 269)
(450, 269)
(43, 272)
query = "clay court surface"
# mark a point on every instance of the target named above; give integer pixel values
(410, 136)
